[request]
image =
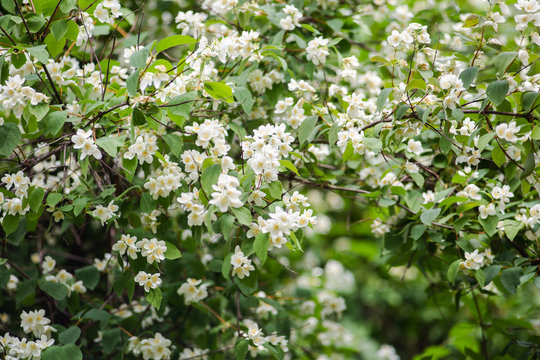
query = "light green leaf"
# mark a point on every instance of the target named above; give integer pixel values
(452, 271)
(261, 246)
(219, 91)
(154, 297)
(172, 252)
(110, 144)
(172, 41)
(383, 98)
(306, 128)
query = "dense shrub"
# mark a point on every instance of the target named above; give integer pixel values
(225, 179)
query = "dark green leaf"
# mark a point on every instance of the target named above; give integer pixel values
(56, 290)
(70, 335)
(497, 91)
(10, 135)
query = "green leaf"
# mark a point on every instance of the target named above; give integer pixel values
(210, 177)
(96, 314)
(383, 98)
(485, 140)
(59, 29)
(89, 275)
(468, 75)
(244, 97)
(497, 91)
(373, 144)
(226, 266)
(480, 277)
(54, 46)
(173, 41)
(349, 151)
(154, 297)
(416, 84)
(54, 122)
(503, 60)
(275, 189)
(417, 230)
(528, 100)
(275, 351)
(66, 352)
(10, 135)
(428, 216)
(181, 105)
(110, 144)
(510, 278)
(35, 22)
(241, 349)
(226, 223)
(471, 21)
(138, 58)
(35, 199)
(306, 128)
(40, 53)
(243, 215)
(289, 165)
(172, 252)
(56, 290)
(70, 335)
(491, 272)
(497, 155)
(452, 271)
(39, 110)
(5, 274)
(489, 224)
(132, 83)
(174, 142)
(10, 223)
(147, 203)
(261, 246)
(247, 285)
(130, 166)
(219, 91)
(53, 199)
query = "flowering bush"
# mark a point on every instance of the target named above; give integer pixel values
(226, 179)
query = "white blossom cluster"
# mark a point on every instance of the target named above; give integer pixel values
(148, 281)
(264, 149)
(144, 148)
(156, 348)
(317, 50)
(165, 179)
(36, 324)
(193, 291)
(105, 213)
(226, 194)
(83, 140)
(290, 21)
(152, 249)
(258, 339)
(20, 184)
(475, 260)
(14, 96)
(62, 277)
(241, 263)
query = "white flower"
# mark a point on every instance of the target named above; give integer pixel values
(415, 147)
(192, 292)
(148, 281)
(486, 211)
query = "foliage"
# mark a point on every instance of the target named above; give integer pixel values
(302, 180)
